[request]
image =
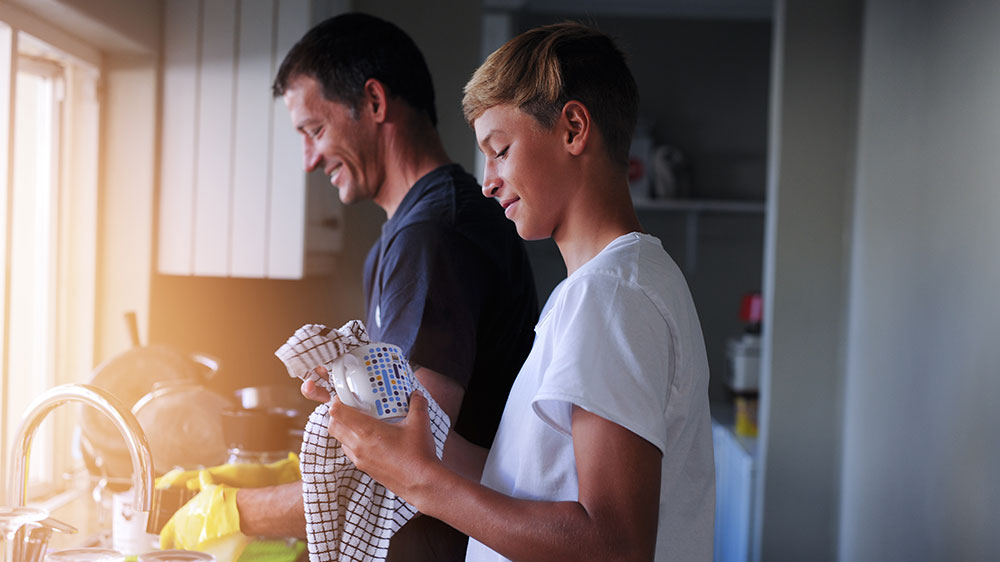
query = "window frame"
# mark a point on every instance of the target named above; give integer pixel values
(29, 43)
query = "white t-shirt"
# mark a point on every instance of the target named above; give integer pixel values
(619, 338)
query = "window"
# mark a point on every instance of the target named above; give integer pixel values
(48, 187)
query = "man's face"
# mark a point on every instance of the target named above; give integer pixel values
(343, 147)
(522, 169)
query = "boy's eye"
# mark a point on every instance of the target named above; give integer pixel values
(503, 153)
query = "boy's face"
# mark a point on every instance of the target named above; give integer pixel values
(523, 161)
(342, 146)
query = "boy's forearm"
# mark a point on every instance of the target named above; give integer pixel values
(518, 529)
(273, 511)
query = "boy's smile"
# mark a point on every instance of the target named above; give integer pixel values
(522, 169)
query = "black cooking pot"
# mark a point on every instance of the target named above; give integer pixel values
(129, 377)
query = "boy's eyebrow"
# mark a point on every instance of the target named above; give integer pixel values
(486, 139)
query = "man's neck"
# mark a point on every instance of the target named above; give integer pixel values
(408, 156)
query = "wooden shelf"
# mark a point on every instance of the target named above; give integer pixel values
(693, 209)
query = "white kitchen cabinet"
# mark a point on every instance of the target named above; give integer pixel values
(234, 198)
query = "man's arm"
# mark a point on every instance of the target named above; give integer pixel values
(462, 456)
(274, 511)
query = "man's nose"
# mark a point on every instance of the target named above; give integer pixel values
(313, 157)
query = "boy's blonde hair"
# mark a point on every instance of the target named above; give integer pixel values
(542, 69)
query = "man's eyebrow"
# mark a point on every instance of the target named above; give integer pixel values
(305, 123)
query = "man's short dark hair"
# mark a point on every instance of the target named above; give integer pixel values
(343, 52)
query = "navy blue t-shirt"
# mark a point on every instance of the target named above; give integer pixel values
(449, 282)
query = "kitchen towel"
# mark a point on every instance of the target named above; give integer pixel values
(349, 516)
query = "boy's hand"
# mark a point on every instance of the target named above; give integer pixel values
(314, 392)
(395, 454)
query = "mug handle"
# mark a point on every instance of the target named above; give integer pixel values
(339, 372)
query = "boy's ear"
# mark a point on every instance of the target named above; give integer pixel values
(374, 99)
(577, 126)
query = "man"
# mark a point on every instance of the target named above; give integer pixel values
(448, 281)
(604, 451)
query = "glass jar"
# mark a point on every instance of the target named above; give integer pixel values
(258, 436)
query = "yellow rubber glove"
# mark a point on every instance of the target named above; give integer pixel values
(239, 475)
(212, 514)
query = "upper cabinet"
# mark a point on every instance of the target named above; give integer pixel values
(235, 200)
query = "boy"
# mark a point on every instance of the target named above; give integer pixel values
(604, 450)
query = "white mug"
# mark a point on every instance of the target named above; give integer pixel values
(374, 378)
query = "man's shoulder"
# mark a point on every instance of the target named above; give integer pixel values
(451, 199)
(433, 197)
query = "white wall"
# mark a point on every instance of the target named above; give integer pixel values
(813, 115)
(921, 452)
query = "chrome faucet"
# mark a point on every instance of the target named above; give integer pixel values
(102, 400)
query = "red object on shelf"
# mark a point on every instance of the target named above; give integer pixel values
(751, 308)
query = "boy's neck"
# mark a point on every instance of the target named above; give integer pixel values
(600, 212)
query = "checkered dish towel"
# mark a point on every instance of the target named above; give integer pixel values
(349, 516)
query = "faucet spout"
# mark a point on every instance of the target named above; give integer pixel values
(102, 400)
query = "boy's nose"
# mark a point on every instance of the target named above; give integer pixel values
(491, 182)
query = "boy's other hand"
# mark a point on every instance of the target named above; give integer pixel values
(314, 392)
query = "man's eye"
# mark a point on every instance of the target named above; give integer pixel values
(315, 132)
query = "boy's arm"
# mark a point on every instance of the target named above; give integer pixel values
(614, 519)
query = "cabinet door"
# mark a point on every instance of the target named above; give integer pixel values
(288, 188)
(177, 152)
(233, 191)
(255, 119)
(213, 180)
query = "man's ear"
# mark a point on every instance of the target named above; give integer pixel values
(577, 126)
(374, 99)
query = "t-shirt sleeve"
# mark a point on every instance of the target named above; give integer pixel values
(612, 356)
(432, 298)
